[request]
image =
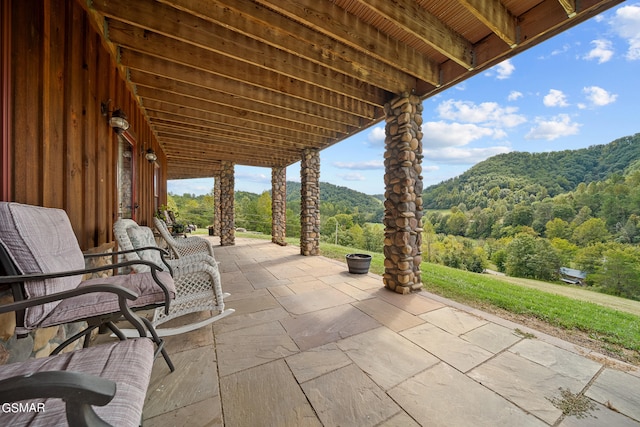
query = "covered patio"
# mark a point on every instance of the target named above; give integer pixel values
(311, 344)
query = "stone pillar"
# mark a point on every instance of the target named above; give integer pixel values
(310, 202)
(279, 206)
(216, 206)
(403, 194)
(227, 213)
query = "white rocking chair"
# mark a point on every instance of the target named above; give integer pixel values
(197, 279)
(183, 247)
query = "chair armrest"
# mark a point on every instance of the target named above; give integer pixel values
(78, 391)
(163, 254)
(122, 293)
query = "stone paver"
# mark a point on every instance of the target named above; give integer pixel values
(458, 353)
(329, 325)
(529, 385)
(492, 337)
(348, 397)
(454, 321)
(619, 390)
(442, 396)
(266, 395)
(252, 346)
(394, 359)
(311, 344)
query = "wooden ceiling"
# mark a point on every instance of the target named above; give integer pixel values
(256, 81)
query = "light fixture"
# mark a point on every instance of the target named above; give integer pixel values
(151, 155)
(118, 120)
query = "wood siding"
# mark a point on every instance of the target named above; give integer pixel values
(63, 152)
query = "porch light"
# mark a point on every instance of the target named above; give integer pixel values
(118, 120)
(151, 155)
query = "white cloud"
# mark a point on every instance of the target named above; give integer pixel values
(441, 134)
(505, 69)
(626, 24)
(376, 137)
(352, 176)
(463, 156)
(253, 177)
(366, 165)
(555, 98)
(488, 113)
(598, 96)
(430, 168)
(559, 126)
(602, 51)
(514, 95)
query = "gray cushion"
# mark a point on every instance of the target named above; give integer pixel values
(97, 303)
(128, 363)
(141, 237)
(40, 240)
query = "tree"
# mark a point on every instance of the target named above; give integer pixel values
(558, 229)
(591, 231)
(532, 257)
(620, 272)
(457, 223)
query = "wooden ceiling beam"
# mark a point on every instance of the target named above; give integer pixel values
(234, 112)
(349, 30)
(495, 16)
(205, 119)
(309, 113)
(569, 7)
(242, 16)
(234, 54)
(412, 18)
(213, 133)
(235, 138)
(267, 88)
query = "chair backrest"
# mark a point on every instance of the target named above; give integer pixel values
(130, 235)
(40, 240)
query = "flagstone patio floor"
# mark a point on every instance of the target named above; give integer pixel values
(313, 345)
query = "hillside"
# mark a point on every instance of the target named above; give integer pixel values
(337, 199)
(534, 175)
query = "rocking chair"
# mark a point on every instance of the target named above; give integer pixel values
(62, 389)
(40, 254)
(183, 247)
(197, 279)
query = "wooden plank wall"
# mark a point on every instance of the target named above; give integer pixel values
(63, 151)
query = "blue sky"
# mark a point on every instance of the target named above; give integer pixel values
(577, 89)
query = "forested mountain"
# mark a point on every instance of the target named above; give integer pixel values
(339, 200)
(534, 176)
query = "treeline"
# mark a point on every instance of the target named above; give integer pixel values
(348, 217)
(594, 228)
(519, 177)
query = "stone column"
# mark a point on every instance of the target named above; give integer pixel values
(216, 206)
(227, 213)
(403, 194)
(310, 202)
(279, 206)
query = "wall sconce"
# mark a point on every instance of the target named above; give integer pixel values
(151, 155)
(118, 120)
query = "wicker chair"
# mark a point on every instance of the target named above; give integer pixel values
(197, 279)
(40, 257)
(183, 247)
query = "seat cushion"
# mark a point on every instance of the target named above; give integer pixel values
(99, 303)
(40, 240)
(128, 363)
